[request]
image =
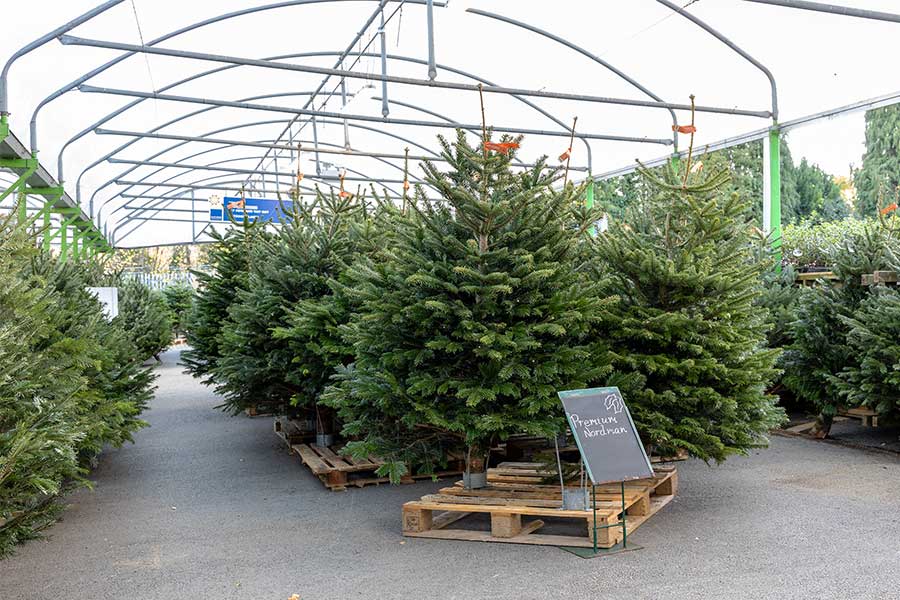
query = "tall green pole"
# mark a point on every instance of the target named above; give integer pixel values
(772, 192)
(63, 241)
(23, 204)
(47, 226)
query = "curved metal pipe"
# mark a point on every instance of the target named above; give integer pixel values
(47, 37)
(218, 19)
(242, 125)
(230, 128)
(397, 57)
(721, 37)
(583, 52)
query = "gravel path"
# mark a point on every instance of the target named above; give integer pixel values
(206, 506)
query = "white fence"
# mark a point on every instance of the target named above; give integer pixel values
(158, 281)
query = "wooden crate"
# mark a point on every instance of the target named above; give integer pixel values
(338, 471)
(515, 490)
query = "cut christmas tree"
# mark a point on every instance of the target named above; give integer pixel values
(472, 316)
(686, 341)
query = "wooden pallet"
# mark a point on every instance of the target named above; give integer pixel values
(255, 411)
(880, 277)
(290, 432)
(809, 279)
(868, 416)
(513, 493)
(338, 471)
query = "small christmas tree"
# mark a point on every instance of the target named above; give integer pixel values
(143, 314)
(685, 337)
(472, 317)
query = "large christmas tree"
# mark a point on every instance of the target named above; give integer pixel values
(473, 316)
(289, 267)
(229, 264)
(686, 337)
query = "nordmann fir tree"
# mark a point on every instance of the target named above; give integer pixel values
(685, 336)
(144, 315)
(295, 264)
(310, 328)
(472, 317)
(228, 259)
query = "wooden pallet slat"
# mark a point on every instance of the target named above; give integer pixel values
(508, 503)
(338, 471)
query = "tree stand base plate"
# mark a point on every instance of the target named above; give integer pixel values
(590, 553)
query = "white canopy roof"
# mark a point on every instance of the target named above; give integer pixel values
(626, 70)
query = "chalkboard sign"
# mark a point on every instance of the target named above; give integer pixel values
(605, 434)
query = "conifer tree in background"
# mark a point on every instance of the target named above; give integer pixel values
(877, 181)
(472, 317)
(229, 262)
(255, 367)
(685, 336)
(143, 314)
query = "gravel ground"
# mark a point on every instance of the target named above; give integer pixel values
(209, 506)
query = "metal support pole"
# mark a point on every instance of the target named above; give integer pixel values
(447, 85)
(369, 118)
(429, 15)
(343, 106)
(385, 109)
(316, 145)
(193, 217)
(22, 204)
(844, 11)
(76, 236)
(772, 192)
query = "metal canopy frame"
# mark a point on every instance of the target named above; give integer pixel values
(123, 206)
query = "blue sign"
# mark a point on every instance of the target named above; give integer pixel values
(254, 209)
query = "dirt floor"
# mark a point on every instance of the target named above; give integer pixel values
(207, 506)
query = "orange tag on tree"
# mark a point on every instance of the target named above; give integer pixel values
(889, 208)
(565, 155)
(684, 128)
(501, 147)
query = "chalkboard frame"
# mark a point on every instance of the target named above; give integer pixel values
(604, 390)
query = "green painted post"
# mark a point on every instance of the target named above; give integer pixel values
(47, 226)
(22, 204)
(775, 192)
(772, 207)
(589, 193)
(63, 241)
